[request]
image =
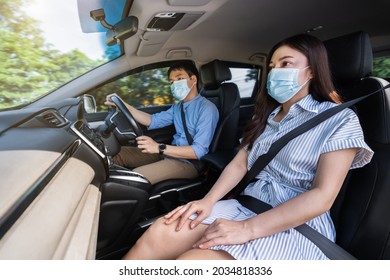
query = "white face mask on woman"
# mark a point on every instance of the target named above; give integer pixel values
(282, 83)
(180, 89)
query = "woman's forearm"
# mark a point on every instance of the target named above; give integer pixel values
(331, 172)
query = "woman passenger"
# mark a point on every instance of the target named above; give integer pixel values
(301, 182)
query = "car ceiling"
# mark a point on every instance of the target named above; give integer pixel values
(237, 30)
(231, 30)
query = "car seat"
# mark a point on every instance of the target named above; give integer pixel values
(361, 212)
(225, 95)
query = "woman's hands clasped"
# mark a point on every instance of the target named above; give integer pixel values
(220, 232)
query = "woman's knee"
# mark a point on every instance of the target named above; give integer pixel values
(163, 236)
(157, 231)
(158, 242)
(150, 240)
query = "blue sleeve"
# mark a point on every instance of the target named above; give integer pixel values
(161, 119)
(205, 128)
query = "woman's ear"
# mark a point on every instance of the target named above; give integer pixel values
(311, 74)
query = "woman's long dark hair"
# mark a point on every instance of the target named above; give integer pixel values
(321, 86)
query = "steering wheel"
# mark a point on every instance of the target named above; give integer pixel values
(129, 117)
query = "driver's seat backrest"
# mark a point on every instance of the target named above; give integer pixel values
(225, 95)
(361, 212)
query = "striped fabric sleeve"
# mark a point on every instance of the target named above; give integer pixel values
(349, 134)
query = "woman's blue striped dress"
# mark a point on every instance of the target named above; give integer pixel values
(290, 173)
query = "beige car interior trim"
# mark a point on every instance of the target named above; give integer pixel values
(152, 42)
(79, 239)
(49, 227)
(19, 170)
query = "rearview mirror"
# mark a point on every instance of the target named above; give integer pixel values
(122, 30)
(118, 32)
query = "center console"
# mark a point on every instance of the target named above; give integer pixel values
(124, 197)
(124, 176)
(89, 137)
(117, 173)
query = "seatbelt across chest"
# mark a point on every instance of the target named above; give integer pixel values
(199, 165)
(183, 119)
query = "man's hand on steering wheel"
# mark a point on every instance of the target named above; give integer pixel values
(115, 101)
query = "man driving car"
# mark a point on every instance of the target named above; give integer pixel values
(160, 161)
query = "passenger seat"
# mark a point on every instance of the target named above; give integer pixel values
(362, 210)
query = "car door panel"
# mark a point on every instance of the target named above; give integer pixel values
(246, 114)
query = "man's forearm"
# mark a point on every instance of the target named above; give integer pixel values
(186, 152)
(140, 116)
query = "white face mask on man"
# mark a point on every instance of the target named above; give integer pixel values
(180, 89)
(282, 83)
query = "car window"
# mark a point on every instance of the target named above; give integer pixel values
(149, 86)
(245, 77)
(43, 47)
(382, 67)
(142, 87)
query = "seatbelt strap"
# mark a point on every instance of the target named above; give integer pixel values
(183, 119)
(263, 160)
(328, 247)
(199, 165)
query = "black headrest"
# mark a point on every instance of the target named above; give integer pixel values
(214, 73)
(351, 62)
(350, 56)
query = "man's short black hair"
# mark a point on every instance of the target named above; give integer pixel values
(187, 66)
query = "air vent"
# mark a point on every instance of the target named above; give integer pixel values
(53, 119)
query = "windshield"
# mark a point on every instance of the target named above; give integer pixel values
(43, 47)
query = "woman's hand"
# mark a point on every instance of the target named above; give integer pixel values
(200, 207)
(224, 232)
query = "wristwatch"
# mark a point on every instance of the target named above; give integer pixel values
(161, 148)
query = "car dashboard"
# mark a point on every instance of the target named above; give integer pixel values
(52, 166)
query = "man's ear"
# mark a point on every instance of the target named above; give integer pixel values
(193, 77)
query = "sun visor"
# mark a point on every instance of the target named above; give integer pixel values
(161, 27)
(172, 21)
(188, 2)
(152, 42)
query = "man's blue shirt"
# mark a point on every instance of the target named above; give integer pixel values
(201, 118)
